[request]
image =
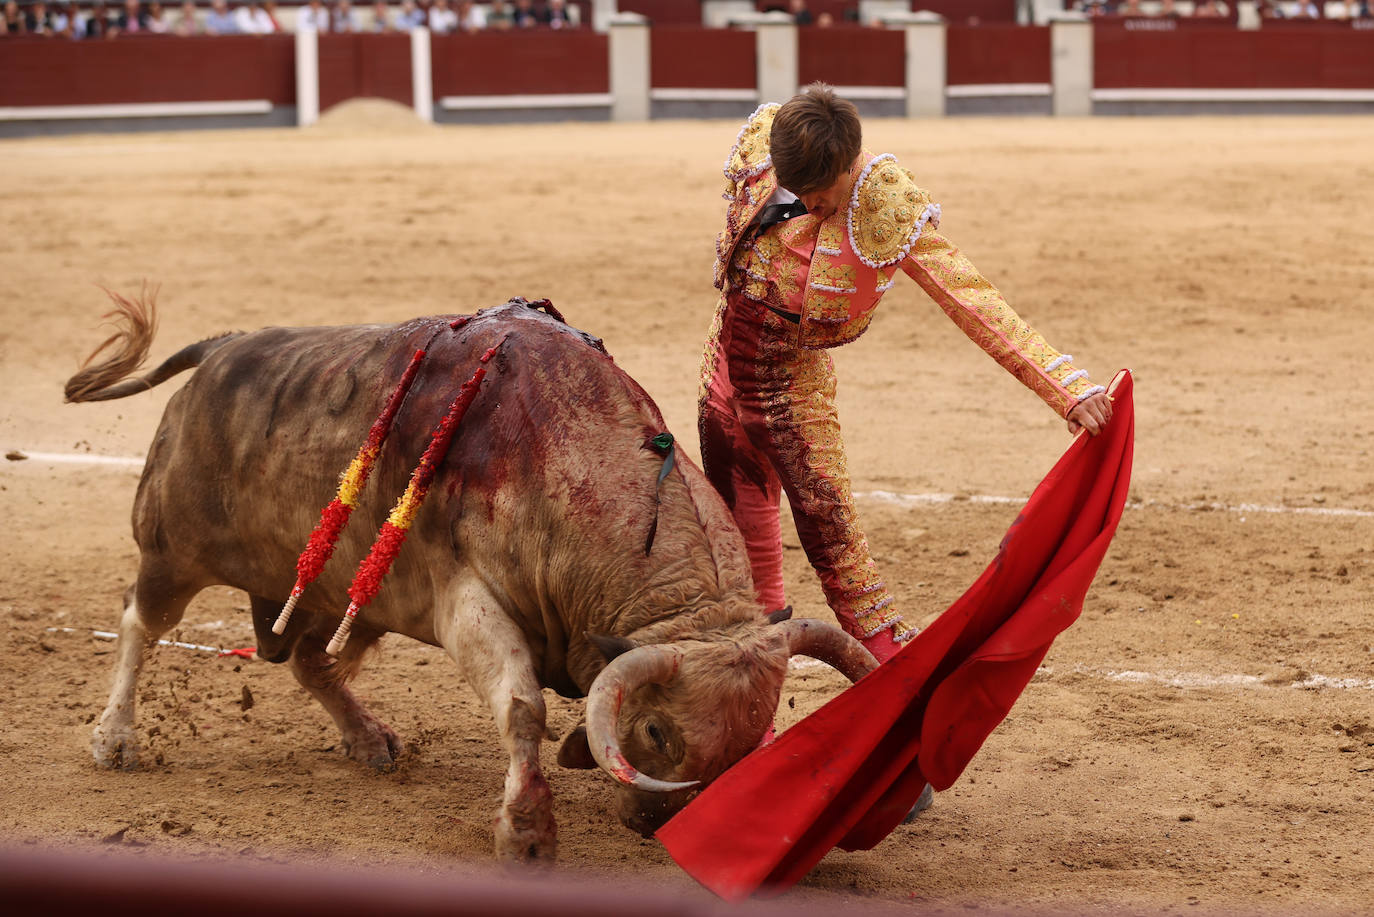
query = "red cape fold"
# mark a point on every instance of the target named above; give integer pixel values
(847, 774)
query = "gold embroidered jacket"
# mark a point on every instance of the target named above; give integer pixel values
(833, 272)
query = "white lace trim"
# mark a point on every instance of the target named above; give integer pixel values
(932, 212)
(1095, 390)
(739, 139)
(884, 287)
(1058, 362)
(1073, 377)
(829, 289)
(828, 251)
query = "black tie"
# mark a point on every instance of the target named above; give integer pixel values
(777, 213)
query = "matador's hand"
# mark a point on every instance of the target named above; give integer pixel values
(1091, 413)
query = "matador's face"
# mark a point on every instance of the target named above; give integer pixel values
(825, 202)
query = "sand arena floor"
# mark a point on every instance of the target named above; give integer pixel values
(1204, 735)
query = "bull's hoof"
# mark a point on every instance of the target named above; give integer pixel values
(530, 845)
(374, 745)
(115, 747)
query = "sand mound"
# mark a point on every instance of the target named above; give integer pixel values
(370, 116)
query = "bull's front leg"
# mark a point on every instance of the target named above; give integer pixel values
(494, 656)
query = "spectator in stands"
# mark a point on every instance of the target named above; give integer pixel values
(131, 19)
(38, 21)
(69, 23)
(187, 24)
(825, 20)
(12, 23)
(252, 19)
(558, 16)
(220, 20)
(409, 17)
(523, 16)
(1167, 9)
(801, 13)
(1306, 9)
(471, 17)
(342, 18)
(1208, 9)
(382, 19)
(442, 18)
(1130, 8)
(499, 15)
(157, 20)
(98, 23)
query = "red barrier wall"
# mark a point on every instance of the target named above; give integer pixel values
(997, 54)
(38, 71)
(1336, 57)
(515, 63)
(363, 64)
(852, 56)
(691, 57)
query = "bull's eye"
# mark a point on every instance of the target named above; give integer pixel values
(656, 735)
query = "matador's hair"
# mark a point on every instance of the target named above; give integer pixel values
(816, 136)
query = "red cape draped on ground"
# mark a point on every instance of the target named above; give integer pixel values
(849, 773)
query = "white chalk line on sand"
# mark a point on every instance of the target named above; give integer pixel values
(1185, 679)
(887, 496)
(1165, 679)
(877, 496)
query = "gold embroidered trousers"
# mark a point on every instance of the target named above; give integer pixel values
(768, 424)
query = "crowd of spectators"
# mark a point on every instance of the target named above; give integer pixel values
(261, 17)
(1215, 9)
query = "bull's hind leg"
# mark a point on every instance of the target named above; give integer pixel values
(152, 606)
(494, 656)
(365, 738)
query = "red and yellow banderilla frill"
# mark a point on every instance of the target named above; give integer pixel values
(368, 579)
(334, 517)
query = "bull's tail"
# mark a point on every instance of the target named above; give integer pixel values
(135, 324)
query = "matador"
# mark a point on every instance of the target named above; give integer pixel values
(816, 230)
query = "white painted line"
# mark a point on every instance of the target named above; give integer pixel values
(63, 458)
(996, 90)
(1180, 679)
(871, 92)
(1233, 95)
(134, 110)
(703, 95)
(552, 100)
(877, 496)
(935, 499)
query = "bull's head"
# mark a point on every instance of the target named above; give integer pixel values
(664, 720)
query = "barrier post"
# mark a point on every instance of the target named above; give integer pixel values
(602, 13)
(1071, 65)
(421, 76)
(925, 61)
(629, 50)
(1247, 15)
(776, 51)
(307, 77)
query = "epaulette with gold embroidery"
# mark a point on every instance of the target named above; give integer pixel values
(887, 212)
(750, 155)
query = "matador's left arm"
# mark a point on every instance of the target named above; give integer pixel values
(894, 223)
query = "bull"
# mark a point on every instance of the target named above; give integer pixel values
(548, 555)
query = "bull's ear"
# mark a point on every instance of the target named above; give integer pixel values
(782, 614)
(575, 752)
(611, 647)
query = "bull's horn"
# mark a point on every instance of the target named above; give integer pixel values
(640, 666)
(826, 642)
